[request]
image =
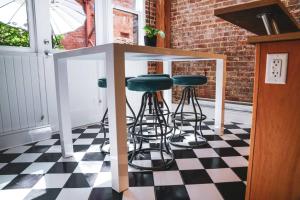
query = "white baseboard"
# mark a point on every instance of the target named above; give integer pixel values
(25, 136)
(229, 105)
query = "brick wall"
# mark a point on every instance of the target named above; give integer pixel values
(77, 38)
(124, 3)
(194, 27)
(125, 27)
(150, 11)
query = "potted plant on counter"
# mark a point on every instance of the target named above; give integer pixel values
(151, 35)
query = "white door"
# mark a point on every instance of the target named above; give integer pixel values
(82, 78)
(25, 115)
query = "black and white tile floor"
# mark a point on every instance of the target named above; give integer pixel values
(215, 171)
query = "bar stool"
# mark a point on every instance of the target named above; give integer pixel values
(150, 86)
(189, 82)
(102, 83)
(166, 110)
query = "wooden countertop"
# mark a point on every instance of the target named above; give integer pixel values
(136, 52)
(245, 15)
(274, 38)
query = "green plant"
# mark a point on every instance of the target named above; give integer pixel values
(11, 36)
(56, 41)
(151, 32)
(17, 37)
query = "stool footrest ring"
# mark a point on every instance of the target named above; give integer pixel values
(176, 140)
(166, 163)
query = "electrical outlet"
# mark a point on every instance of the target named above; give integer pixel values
(276, 68)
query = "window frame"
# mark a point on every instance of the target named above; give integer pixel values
(103, 9)
(140, 12)
(31, 30)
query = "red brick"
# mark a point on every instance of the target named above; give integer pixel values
(194, 27)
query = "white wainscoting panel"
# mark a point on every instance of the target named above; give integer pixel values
(20, 87)
(4, 101)
(28, 92)
(23, 99)
(12, 92)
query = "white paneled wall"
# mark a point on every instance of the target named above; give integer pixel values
(23, 99)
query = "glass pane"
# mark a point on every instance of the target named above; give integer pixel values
(14, 30)
(75, 28)
(125, 27)
(130, 4)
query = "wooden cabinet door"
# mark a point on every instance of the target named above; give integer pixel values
(274, 165)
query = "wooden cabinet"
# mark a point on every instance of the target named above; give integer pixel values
(274, 163)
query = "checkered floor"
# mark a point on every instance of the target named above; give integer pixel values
(215, 171)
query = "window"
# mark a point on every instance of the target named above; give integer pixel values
(126, 21)
(128, 4)
(83, 35)
(14, 26)
(125, 27)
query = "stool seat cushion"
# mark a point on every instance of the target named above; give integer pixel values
(103, 83)
(150, 84)
(189, 80)
(151, 75)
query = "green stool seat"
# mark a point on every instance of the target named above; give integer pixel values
(150, 84)
(189, 80)
(152, 75)
(103, 83)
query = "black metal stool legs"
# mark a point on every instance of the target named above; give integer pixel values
(140, 135)
(165, 105)
(160, 113)
(197, 119)
(104, 123)
(181, 104)
(189, 95)
(151, 110)
(139, 116)
(131, 110)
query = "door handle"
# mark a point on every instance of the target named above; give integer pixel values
(48, 53)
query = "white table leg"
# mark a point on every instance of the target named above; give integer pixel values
(167, 68)
(63, 106)
(115, 70)
(220, 95)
